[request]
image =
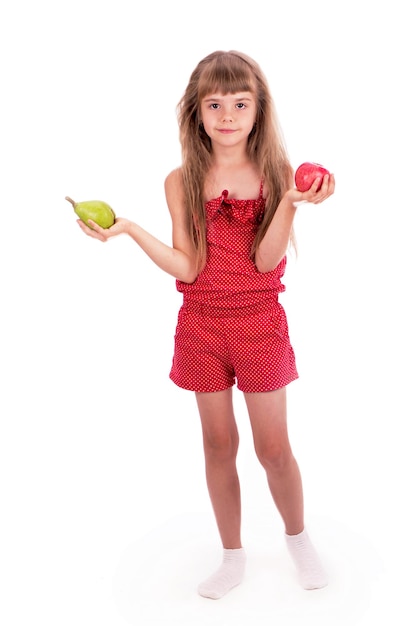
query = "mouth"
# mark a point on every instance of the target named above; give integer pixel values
(226, 131)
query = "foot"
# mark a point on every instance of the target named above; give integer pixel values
(310, 570)
(228, 575)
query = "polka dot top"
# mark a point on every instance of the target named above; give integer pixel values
(230, 278)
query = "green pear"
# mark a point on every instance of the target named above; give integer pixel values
(95, 210)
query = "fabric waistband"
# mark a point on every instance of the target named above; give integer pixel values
(212, 310)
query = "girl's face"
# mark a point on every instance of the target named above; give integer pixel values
(228, 118)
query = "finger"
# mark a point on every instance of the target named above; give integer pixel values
(325, 191)
(318, 182)
(314, 193)
(324, 186)
(91, 232)
(83, 226)
(94, 226)
(328, 185)
(332, 183)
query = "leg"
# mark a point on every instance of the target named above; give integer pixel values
(220, 441)
(268, 416)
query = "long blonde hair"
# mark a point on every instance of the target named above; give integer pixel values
(229, 72)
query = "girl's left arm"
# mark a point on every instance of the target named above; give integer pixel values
(274, 244)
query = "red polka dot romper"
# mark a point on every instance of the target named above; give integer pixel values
(231, 327)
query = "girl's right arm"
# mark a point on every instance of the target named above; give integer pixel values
(178, 260)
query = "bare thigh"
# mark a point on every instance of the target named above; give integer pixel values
(218, 420)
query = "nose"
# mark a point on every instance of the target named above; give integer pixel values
(227, 115)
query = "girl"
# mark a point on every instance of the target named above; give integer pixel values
(232, 204)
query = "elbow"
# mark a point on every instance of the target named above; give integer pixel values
(264, 269)
(188, 278)
(184, 267)
(192, 271)
(189, 275)
(266, 264)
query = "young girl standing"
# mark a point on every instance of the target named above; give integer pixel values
(232, 204)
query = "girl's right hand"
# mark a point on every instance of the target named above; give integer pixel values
(103, 234)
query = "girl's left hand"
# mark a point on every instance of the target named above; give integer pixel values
(314, 195)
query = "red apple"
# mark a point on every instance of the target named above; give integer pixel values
(307, 173)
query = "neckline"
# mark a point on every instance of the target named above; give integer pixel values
(225, 197)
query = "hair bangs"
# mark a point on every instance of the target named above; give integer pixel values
(227, 73)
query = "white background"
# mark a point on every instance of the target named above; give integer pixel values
(104, 513)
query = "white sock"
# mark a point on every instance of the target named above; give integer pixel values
(310, 571)
(228, 575)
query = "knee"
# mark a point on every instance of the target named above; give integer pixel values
(274, 458)
(221, 446)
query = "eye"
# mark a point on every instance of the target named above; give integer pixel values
(214, 105)
(240, 105)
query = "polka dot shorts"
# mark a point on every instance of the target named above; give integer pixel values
(216, 348)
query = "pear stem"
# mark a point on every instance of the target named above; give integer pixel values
(71, 201)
